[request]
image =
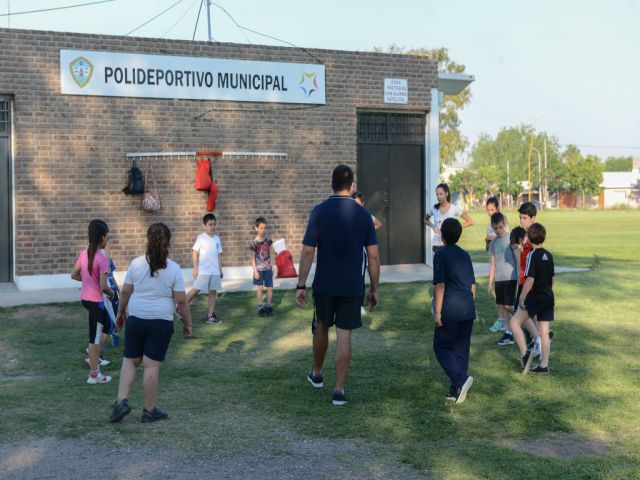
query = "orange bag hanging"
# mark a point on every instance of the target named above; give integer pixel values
(284, 262)
(213, 196)
(203, 175)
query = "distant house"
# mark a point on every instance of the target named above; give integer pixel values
(620, 188)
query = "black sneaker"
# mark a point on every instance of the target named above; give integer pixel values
(539, 369)
(452, 395)
(316, 379)
(268, 311)
(153, 415)
(214, 319)
(507, 339)
(119, 411)
(551, 335)
(526, 362)
(339, 397)
(262, 312)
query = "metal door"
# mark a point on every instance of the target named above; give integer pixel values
(391, 175)
(6, 255)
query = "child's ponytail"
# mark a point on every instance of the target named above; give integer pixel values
(97, 230)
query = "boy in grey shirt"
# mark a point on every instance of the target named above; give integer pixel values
(503, 274)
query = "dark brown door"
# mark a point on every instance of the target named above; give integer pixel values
(391, 175)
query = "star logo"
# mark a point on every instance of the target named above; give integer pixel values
(308, 83)
(81, 71)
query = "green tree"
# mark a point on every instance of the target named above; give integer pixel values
(452, 142)
(508, 156)
(464, 182)
(618, 164)
(580, 174)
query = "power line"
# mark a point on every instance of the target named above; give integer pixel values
(268, 36)
(181, 17)
(233, 20)
(197, 20)
(601, 146)
(152, 19)
(54, 8)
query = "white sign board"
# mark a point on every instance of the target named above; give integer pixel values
(161, 76)
(396, 90)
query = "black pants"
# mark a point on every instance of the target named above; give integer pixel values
(451, 344)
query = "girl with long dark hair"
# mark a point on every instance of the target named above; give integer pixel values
(92, 268)
(153, 286)
(440, 212)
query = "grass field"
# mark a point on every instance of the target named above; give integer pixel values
(242, 383)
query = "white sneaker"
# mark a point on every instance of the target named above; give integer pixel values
(363, 311)
(102, 363)
(100, 378)
(535, 352)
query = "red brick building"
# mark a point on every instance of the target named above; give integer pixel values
(63, 158)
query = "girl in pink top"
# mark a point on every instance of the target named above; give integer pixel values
(92, 268)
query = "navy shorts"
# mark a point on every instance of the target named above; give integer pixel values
(506, 293)
(99, 321)
(544, 313)
(147, 337)
(343, 312)
(266, 278)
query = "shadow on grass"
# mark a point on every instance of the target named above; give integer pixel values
(243, 378)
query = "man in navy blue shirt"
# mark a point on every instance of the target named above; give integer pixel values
(454, 309)
(340, 230)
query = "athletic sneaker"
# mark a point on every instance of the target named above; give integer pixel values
(316, 379)
(211, 319)
(102, 363)
(268, 311)
(119, 411)
(262, 312)
(497, 326)
(339, 397)
(539, 369)
(452, 394)
(462, 393)
(526, 362)
(214, 319)
(100, 378)
(153, 415)
(535, 351)
(507, 339)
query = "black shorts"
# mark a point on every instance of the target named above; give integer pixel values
(147, 337)
(506, 293)
(543, 312)
(343, 312)
(98, 320)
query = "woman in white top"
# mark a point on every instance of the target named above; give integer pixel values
(441, 211)
(152, 287)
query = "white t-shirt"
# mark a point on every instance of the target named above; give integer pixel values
(436, 217)
(152, 297)
(208, 249)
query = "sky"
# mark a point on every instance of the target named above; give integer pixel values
(571, 65)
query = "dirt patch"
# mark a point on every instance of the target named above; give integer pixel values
(562, 445)
(303, 458)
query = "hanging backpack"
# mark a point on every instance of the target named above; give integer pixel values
(203, 175)
(135, 186)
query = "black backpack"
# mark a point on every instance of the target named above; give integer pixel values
(136, 181)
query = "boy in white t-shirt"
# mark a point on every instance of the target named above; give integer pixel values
(207, 266)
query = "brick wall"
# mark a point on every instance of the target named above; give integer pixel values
(70, 163)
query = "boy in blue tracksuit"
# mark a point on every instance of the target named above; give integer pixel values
(454, 309)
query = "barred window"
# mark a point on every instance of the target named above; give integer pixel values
(5, 117)
(391, 128)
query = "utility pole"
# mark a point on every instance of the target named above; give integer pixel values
(209, 18)
(546, 192)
